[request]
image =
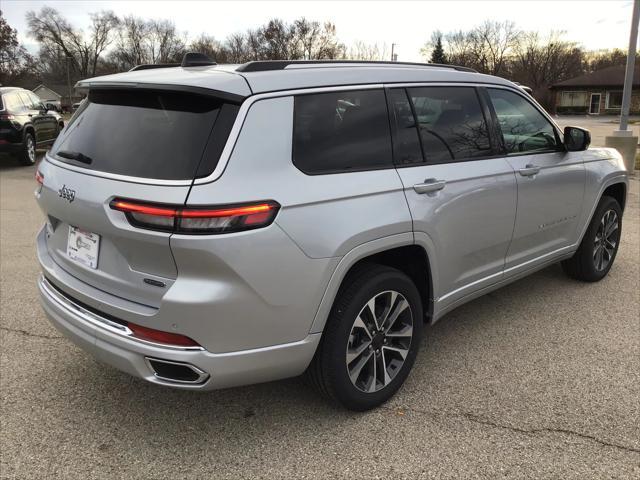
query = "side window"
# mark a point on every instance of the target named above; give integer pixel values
(35, 101)
(341, 131)
(13, 103)
(524, 128)
(406, 144)
(451, 123)
(27, 101)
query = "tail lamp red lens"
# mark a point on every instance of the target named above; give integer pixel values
(39, 178)
(208, 220)
(159, 336)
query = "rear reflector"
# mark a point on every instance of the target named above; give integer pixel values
(159, 336)
(39, 178)
(206, 220)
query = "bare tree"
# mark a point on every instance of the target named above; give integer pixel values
(15, 61)
(211, 47)
(236, 45)
(56, 34)
(367, 51)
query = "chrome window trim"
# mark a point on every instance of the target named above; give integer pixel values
(72, 308)
(251, 100)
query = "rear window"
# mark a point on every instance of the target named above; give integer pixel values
(163, 135)
(341, 131)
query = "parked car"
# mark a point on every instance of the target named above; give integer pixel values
(230, 225)
(26, 124)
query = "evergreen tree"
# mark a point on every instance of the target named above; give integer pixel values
(437, 54)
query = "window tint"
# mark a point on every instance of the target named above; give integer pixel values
(524, 128)
(26, 100)
(149, 134)
(341, 131)
(406, 144)
(451, 124)
(35, 100)
(13, 103)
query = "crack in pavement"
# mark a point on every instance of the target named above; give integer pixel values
(525, 431)
(30, 334)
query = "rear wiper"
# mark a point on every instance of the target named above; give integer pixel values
(79, 157)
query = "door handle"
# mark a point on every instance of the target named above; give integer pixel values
(530, 170)
(430, 185)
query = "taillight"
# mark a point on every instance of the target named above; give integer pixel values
(206, 220)
(7, 117)
(39, 178)
(160, 336)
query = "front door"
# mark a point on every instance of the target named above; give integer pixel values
(462, 200)
(550, 182)
(594, 104)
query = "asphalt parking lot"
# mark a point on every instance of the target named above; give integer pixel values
(538, 380)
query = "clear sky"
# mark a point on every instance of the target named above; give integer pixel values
(594, 24)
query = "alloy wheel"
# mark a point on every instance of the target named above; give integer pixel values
(606, 240)
(31, 149)
(379, 341)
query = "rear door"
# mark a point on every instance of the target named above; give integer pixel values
(36, 117)
(144, 145)
(550, 180)
(459, 193)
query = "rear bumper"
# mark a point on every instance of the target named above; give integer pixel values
(8, 147)
(115, 347)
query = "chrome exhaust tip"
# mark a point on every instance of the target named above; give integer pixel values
(176, 372)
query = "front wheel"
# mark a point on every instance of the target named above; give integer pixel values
(594, 258)
(371, 339)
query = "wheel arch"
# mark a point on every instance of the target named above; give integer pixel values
(618, 191)
(28, 128)
(397, 251)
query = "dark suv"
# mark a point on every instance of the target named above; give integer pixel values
(25, 123)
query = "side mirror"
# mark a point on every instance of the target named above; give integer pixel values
(576, 139)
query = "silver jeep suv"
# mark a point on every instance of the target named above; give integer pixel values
(209, 226)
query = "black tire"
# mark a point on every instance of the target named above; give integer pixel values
(585, 264)
(329, 372)
(27, 154)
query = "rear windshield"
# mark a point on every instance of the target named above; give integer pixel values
(164, 135)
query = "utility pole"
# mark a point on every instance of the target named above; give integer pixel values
(623, 139)
(394, 56)
(631, 61)
(69, 83)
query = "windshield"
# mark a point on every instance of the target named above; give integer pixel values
(145, 133)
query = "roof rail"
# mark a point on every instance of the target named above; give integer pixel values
(267, 65)
(149, 66)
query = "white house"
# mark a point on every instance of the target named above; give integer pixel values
(47, 94)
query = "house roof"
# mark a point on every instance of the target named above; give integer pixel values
(51, 89)
(606, 77)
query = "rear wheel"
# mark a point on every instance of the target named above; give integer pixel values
(371, 339)
(27, 154)
(594, 258)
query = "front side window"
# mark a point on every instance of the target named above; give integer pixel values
(341, 131)
(524, 128)
(451, 124)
